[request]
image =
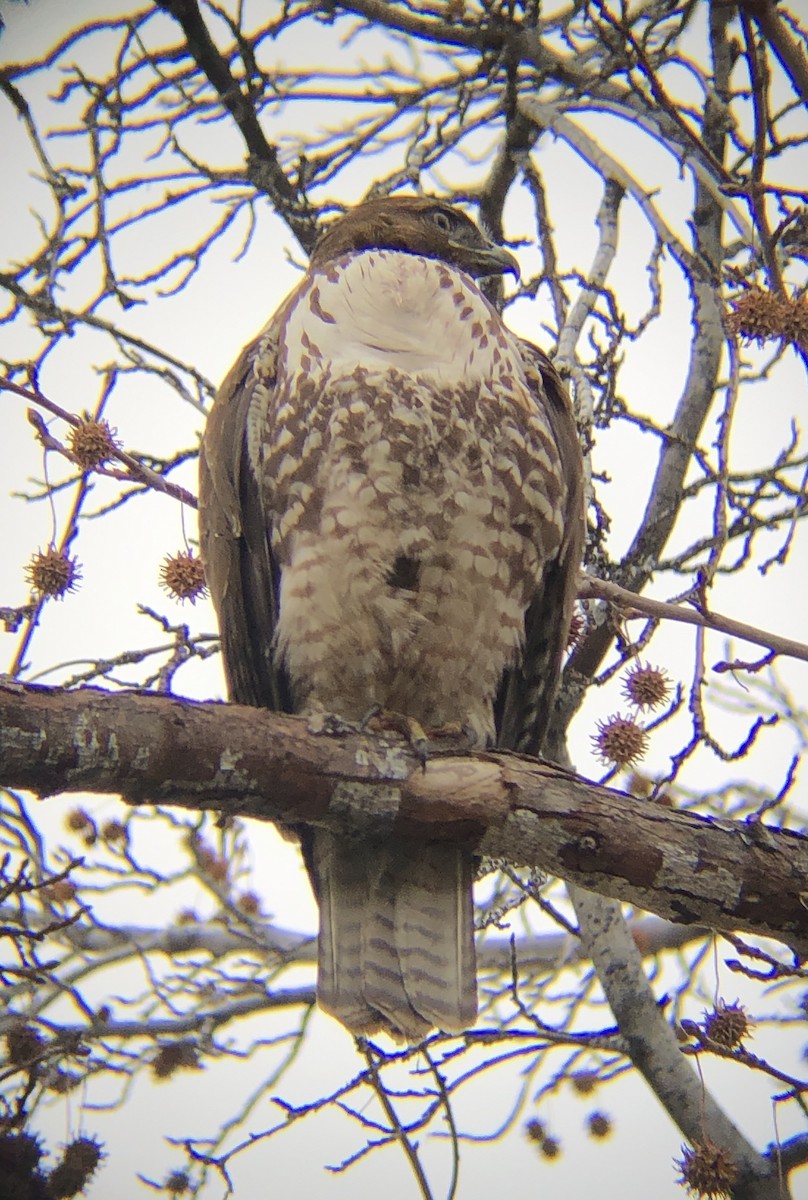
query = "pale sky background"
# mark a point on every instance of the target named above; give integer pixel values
(207, 324)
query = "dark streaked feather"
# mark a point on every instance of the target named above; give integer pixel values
(241, 572)
(524, 702)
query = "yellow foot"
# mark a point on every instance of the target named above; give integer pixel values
(332, 725)
(454, 731)
(382, 720)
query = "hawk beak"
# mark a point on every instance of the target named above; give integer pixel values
(488, 260)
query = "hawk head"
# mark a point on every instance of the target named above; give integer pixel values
(418, 225)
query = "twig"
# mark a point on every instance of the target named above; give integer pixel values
(410, 1150)
(633, 605)
(137, 470)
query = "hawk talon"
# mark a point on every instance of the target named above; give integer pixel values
(410, 729)
(453, 731)
(328, 724)
(372, 712)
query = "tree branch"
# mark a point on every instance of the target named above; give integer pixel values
(789, 52)
(263, 167)
(151, 749)
(495, 952)
(631, 604)
(139, 472)
(656, 1052)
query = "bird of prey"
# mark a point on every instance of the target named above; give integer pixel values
(391, 515)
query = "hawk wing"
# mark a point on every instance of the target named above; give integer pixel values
(242, 574)
(524, 704)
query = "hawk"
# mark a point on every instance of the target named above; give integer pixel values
(391, 516)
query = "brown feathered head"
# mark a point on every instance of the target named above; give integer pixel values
(418, 225)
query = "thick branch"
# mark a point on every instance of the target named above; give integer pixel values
(728, 875)
(264, 169)
(656, 1052)
(789, 52)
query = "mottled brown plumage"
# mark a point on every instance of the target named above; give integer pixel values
(391, 514)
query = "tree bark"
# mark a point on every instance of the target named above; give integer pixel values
(154, 749)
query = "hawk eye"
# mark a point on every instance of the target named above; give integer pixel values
(443, 221)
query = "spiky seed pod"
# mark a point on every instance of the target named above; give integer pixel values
(217, 869)
(707, 1170)
(80, 821)
(114, 831)
(534, 1130)
(92, 443)
(550, 1147)
(52, 573)
(620, 741)
(183, 576)
(79, 1163)
(727, 1024)
(174, 1056)
(177, 1183)
(577, 627)
(23, 1044)
(584, 1082)
(213, 865)
(797, 322)
(758, 316)
(20, 1154)
(645, 686)
(61, 891)
(599, 1125)
(63, 1082)
(249, 904)
(639, 785)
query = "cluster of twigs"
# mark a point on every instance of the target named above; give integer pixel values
(211, 117)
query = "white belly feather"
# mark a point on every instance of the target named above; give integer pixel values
(384, 309)
(406, 473)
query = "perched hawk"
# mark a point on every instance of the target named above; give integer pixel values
(391, 515)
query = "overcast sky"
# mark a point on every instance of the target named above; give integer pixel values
(207, 324)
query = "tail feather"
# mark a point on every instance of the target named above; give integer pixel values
(396, 947)
(341, 886)
(435, 936)
(383, 983)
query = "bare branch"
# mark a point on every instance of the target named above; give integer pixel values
(630, 604)
(136, 470)
(248, 762)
